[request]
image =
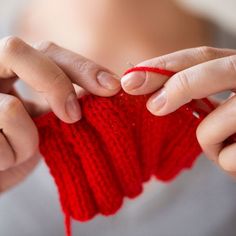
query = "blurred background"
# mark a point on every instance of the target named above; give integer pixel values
(200, 202)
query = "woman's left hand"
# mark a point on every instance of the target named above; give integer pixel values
(201, 72)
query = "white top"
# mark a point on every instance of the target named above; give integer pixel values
(200, 202)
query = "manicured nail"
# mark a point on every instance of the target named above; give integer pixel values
(133, 80)
(108, 81)
(157, 102)
(73, 108)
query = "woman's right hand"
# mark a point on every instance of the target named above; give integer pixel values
(51, 71)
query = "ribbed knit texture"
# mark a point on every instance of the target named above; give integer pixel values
(113, 150)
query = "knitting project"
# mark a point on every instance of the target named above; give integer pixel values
(114, 149)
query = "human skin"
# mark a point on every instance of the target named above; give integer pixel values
(109, 33)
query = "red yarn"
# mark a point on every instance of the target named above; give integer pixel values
(114, 148)
(150, 69)
(68, 224)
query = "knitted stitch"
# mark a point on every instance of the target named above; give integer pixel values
(114, 148)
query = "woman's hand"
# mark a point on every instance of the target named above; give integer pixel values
(201, 72)
(50, 70)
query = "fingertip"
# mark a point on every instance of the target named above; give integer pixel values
(227, 158)
(154, 112)
(108, 81)
(133, 81)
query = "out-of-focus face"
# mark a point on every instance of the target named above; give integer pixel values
(117, 26)
(114, 32)
(119, 20)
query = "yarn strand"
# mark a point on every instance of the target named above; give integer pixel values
(150, 69)
(68, 225)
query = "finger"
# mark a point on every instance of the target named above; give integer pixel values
(37, 70)
(18, 128)
(214, 131)
(17, 174)
(7, 158)
(33, 108)
(194, 83)
(82, 71)
(146, 82)
(227, 158)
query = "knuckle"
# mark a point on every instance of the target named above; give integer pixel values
(160, 62)
(182, 82)
(9, 106)
(207, 52)
(58, 80)
(12, 44)
(231, 63)
(45, 46)
(83, 66)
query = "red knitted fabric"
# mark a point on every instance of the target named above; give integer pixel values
(117, 145)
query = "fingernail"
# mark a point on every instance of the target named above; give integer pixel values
(108, 81)
(158, 101)
(133, 80)
(73, 108)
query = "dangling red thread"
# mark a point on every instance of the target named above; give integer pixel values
(68, 226)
